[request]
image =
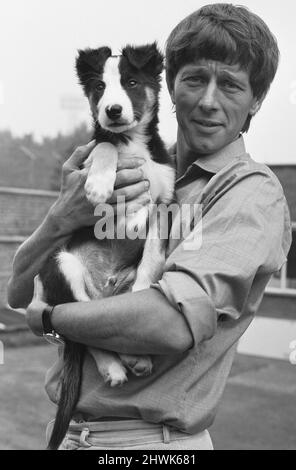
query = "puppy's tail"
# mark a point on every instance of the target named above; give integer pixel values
(70, 390)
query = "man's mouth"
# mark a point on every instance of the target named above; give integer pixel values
(207, 123)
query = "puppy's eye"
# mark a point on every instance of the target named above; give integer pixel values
(100, 86)
(132, 83)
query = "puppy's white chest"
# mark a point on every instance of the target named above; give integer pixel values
(134, 149)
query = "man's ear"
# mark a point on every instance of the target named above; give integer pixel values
(90, 63)
(255, 106)
(148, 58)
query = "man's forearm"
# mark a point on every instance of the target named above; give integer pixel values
(143, 322)
(30, 258)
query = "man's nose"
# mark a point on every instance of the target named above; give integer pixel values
(208, 100)
(114, 111)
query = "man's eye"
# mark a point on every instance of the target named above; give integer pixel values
(195, 80)
(101, 86)
(132, 83)
(230, 85)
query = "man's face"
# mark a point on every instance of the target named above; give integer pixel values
(213, 101)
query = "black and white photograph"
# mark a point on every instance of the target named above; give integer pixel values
(147, 228)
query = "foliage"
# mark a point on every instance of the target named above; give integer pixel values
(25, 162)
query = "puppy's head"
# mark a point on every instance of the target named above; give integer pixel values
(122, 90)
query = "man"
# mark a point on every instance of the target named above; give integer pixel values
(221, 61)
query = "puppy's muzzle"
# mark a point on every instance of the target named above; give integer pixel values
(114, 112)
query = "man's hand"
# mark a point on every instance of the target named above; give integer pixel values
(36, 307)
(130, 185)
(72, 210)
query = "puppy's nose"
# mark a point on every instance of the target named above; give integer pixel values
(114, 111)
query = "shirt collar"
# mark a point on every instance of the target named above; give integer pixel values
(218, 160)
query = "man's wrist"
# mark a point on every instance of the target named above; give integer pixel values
(49, 331)
(46, 319)
(56, 315)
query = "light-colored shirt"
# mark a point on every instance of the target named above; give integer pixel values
(217, 286)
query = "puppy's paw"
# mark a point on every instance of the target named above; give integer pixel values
(98, 189)
(115, 375)
(139, 365)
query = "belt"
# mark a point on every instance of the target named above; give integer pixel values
(123, 432)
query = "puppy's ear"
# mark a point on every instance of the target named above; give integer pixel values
(148, 58)
(90, 64)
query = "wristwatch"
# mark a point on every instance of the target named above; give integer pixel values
(49, 332)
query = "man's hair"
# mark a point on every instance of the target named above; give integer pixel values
(225, 33)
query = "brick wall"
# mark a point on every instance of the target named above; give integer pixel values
(287, 176)
(21, 211)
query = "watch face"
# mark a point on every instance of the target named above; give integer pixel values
(54, 338)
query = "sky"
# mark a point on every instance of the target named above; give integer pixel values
(39, 92)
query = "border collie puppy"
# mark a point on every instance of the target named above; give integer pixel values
(123, 92)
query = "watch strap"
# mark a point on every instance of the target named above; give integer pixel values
(46, 319)
(49, 332)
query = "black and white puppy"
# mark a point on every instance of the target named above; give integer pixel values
(123, 92)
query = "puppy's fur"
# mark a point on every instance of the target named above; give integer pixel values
(123, 95)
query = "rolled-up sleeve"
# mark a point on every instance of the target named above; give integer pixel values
(245, 236)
